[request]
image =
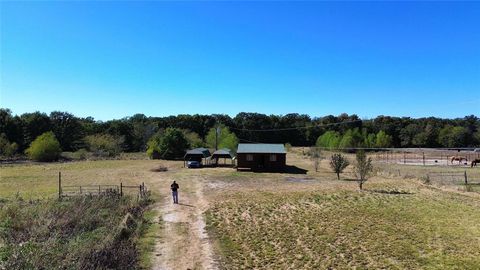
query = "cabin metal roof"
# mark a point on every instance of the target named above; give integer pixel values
(254, 148)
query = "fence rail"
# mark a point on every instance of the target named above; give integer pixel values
(98, 190)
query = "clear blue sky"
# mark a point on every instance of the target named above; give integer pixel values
(114, 59)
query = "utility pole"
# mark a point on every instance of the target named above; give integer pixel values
(217, 130)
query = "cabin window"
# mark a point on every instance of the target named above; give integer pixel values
(249, 157)
(273, 157)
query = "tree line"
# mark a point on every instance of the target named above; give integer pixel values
(132, 134)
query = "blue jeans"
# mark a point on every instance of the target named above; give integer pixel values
(175, 196)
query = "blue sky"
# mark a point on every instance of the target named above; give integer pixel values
(114, 59)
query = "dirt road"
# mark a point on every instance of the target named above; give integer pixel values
(183, 243)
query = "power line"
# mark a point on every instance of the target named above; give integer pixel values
(295, 128)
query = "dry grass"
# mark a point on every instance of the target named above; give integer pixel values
(296, 221)
(39, 180)
(263, 221)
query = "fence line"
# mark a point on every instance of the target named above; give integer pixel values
(98, 190)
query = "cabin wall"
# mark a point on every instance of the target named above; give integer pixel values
(261, 162)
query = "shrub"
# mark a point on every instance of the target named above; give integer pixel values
(288, 147)
(7, 149)
(363, 168)
(80, 154)
(104, 145)
(44, 148)
(338, 163)
(169, 145)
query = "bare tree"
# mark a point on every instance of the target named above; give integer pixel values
(338, 163)
(316, 156)
(363, 168)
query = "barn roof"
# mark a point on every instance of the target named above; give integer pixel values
(253, 148)
(223, 152)
(198, 151)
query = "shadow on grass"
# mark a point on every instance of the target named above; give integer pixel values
(348, 179)
(291, 169)
(391, 192)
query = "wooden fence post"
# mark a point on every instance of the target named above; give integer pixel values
(465, 175)
(59, 185)
(99, 190)
(423, 153)
(121, 189)
(404, 158)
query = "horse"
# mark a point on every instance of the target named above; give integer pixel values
(474, 162)
(458, 158)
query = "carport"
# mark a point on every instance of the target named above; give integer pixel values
(197, 154)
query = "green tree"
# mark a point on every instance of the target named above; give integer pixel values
(363, 168)
(7, 149)
(226, 138)
(370, 140)
(338, 163)
(329, 139)
(67, 129)
(451, 136)
(193, 139)
(383, 140)
(351, 139)
(104, 145)
(169, 145)
(44, 148)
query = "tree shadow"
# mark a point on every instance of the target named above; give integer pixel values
(391, 192)
(348, 179)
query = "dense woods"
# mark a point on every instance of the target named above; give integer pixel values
(132, 134)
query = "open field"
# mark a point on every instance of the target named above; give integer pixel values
(228, 219)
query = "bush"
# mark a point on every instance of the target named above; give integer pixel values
(104, 145)
(338, 163)
(80, 154)
(44, 148)
(288, 147)
(363, 168)
(7, 149)
(169, 145)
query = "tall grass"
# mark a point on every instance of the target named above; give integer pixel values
(78, 233)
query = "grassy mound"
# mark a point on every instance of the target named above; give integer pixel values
(78, 233)
(424, 229)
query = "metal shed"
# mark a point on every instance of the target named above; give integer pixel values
(224, 153)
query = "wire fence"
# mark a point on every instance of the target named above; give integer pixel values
(140, 191)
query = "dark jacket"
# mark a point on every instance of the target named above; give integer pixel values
(174, 186)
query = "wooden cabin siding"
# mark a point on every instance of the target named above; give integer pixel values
(261, 162)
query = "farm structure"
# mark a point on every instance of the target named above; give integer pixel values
(224, 154)
(261, 157)
(198, 154)
(426, 156)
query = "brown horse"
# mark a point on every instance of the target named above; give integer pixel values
(475, 161)
(458, 158)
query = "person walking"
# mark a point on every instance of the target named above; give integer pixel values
(174, 186)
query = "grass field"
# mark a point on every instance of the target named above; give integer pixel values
(281, 220)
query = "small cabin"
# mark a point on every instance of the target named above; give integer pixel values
(197, 154)
(261, 157)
